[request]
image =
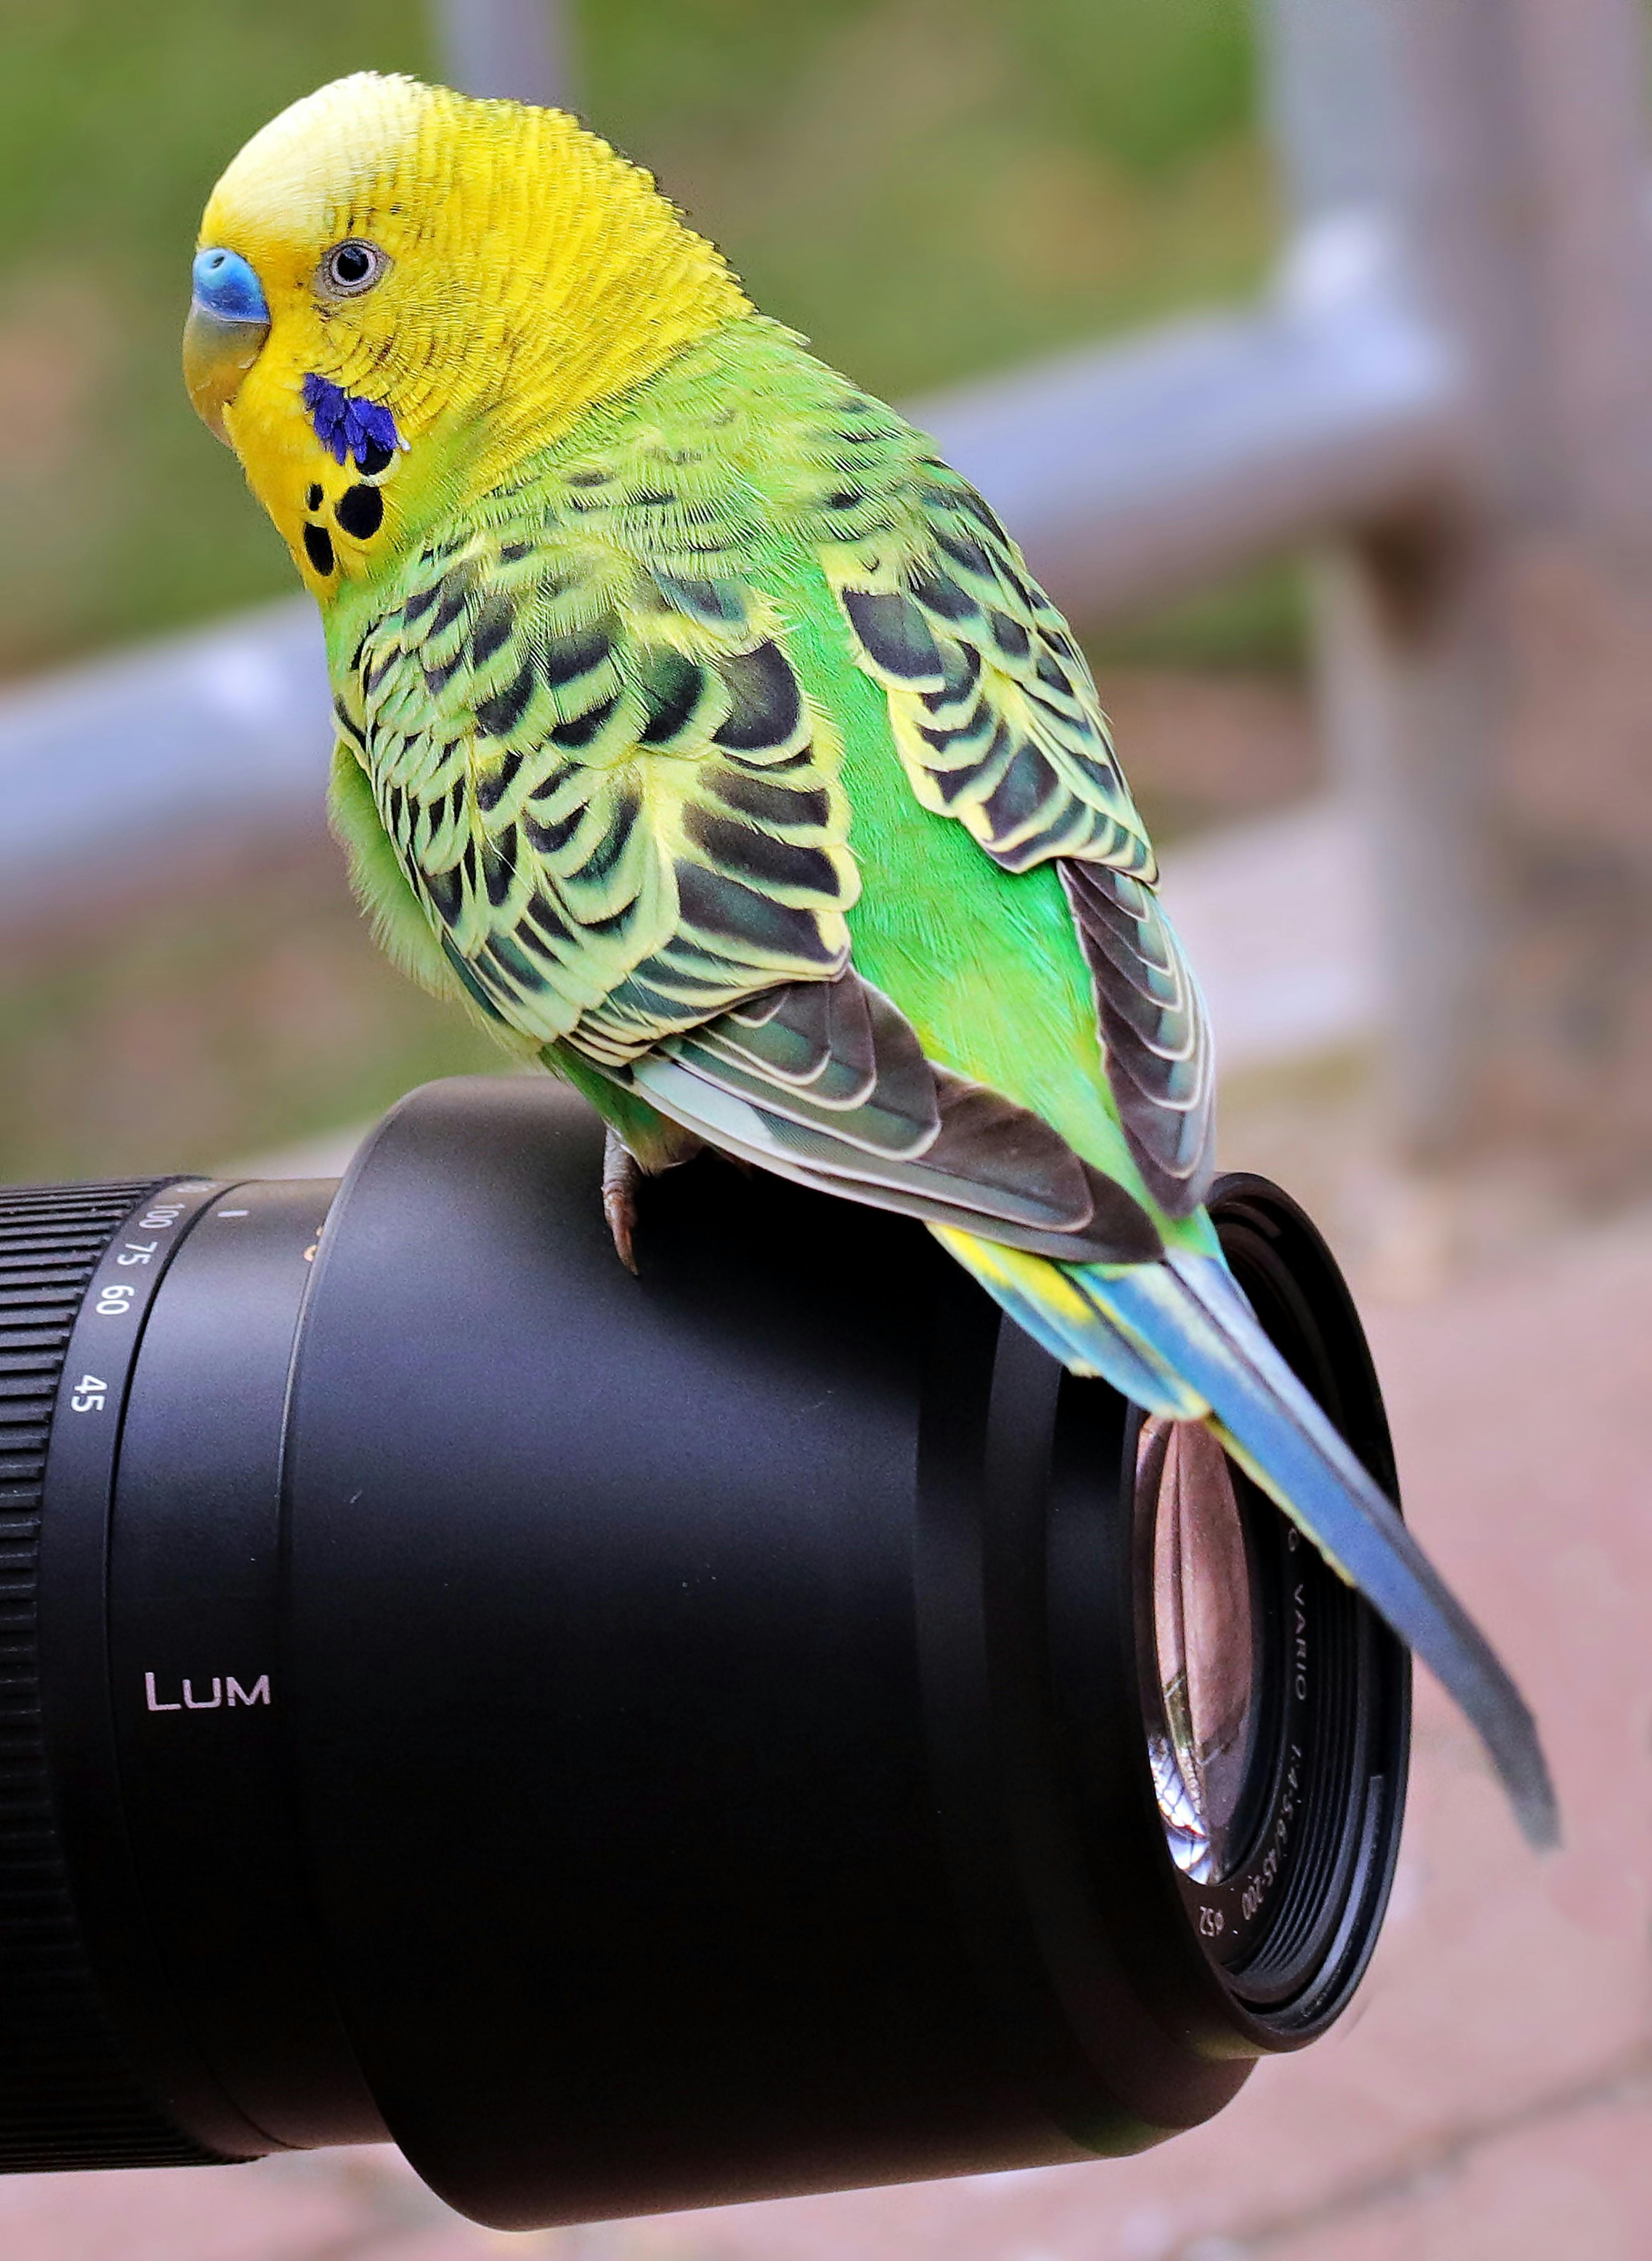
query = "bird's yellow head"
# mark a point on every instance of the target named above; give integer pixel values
(400, 293)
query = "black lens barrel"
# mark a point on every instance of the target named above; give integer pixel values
(637, 1742)
(718, 1694)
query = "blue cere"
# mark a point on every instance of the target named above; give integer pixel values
(227, 286)
(347, 426)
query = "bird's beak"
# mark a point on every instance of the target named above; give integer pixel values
(224, 334)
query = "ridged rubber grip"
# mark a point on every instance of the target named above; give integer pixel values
(68, 2097)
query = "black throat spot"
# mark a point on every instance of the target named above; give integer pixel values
(360, 511)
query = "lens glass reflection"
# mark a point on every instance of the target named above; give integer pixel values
(1204, 1634)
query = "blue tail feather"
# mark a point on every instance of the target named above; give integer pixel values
(1051, 1302)
(1178, 1338)
(1192, 1312)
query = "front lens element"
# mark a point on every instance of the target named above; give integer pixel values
(1204, 1632)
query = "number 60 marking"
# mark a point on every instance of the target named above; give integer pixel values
(115, 1299)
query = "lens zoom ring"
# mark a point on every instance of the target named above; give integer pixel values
(68, 2097)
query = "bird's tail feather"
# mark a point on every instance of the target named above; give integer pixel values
(1178, 1338)
(1056, 1305)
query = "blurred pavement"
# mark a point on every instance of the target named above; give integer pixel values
(1490, 2093)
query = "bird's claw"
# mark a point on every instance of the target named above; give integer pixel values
(621, 1177)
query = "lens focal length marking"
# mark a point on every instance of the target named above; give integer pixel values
(97, 1369)
(99, 1360)
(77, 1694)
(69, 2093)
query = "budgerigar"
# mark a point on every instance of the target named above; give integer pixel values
(704, 732)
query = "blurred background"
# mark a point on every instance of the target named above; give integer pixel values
(1307, 346)
(929, 191)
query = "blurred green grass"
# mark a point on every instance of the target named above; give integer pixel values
(928, 187)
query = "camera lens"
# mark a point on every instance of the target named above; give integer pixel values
(1202, 1741)
(641, 1742)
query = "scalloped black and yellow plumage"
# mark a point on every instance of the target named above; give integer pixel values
(605, 732)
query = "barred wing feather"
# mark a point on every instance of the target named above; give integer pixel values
(826, 1083)
(603, 781)
(998, 726)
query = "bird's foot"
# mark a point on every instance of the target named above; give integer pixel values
(621, 1178)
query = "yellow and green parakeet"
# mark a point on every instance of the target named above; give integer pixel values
(705, 733)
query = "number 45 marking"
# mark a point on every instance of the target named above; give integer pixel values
(90, 1396)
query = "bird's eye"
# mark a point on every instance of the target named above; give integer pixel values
(353, 267)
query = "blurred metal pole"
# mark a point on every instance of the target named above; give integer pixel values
(515, 48)
(1134, 469)
(1499, 150)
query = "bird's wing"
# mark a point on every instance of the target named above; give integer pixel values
(998, 726)
(598, 770)
(619, 811)
(826, 1083)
